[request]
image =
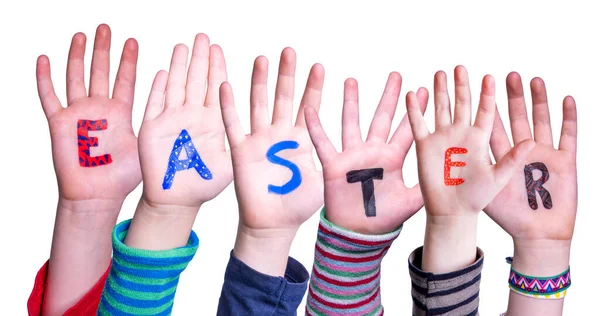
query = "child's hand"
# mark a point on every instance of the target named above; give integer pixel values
(364, 188)
(93, 145)
(182, 144)
(277, 184)
(538, 206)
(455, 171)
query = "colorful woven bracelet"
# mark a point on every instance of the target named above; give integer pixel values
(554, 287)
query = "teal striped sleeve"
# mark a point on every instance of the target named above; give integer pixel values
(143, 282)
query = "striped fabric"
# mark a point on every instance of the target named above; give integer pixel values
(143, 282)
(448, 294)
(346, 271)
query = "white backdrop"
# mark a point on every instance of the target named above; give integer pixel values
(365, 40)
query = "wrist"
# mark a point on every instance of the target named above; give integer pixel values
(160, 226)
(450, 243)
(541, 258)
(93, 214)
(264, 250)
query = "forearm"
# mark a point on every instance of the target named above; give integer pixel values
(542, 258)
(265, 251)
(160, 227)
(450, 243)
(81, 251)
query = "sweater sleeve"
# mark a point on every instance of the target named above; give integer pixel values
(87, 305)
(453, 293)
(249, 292)
(346, 271)
(143, 282)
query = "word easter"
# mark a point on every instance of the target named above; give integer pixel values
(448, 163)
(184, 142)
(84, 142)
(366, 177)
(536, 185)
(273, 158)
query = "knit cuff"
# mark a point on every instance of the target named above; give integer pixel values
(455, 293)
(346, 271)
(143, 282)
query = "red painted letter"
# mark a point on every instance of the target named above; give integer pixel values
(84, 142)
(448, 163)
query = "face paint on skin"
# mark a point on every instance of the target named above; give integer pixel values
(366, 177)
(84, 142)
(448, 164)
(296, 179)
(184, 143)
(534, 186)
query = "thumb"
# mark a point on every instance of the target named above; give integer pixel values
(509, 164)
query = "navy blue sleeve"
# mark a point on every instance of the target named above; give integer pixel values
(249, 292)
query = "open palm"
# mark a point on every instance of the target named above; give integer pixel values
(254, 173)
(511, 208)
(80, 178)
(450, 188)
(182, 145)
(393, 202)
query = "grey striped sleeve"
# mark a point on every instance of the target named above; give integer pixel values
(449, 294)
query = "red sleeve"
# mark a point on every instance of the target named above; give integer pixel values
(88, 305)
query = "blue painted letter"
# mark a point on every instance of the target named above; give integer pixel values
(296, 176)
(184, 142)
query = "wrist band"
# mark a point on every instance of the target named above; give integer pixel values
(554, 287)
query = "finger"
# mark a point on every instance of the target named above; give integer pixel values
(154, 106)
(484, 118)
(441, 100)
(508, 165)
(124, 90)
(541, 114)
(259, 107)
(568, 134)
(195, 88)
(462, 107)
(414, 201)
(382, 120)
(75, 72)
(48, 98)
(415, 117)
(499, 139)
(233, 128)
(323, 145)
(351, 135)
(100, 73)
(517, 111)
(217, 74)
(403, 136)
(176, 83)
(312, 93)
(284, 91)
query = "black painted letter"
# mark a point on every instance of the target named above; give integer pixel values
(533, 186)
(365, 177)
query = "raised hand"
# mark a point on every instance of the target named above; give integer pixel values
(182, 147)
(538, 206)
(277, 184)
(182, 144)
(96, 163)
(106, 168)
(455, 171)
(364, 187)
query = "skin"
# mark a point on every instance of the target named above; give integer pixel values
(542, 237)
(268, 222)
(452, 211)
(344, 202)
(89, 198)
(164, 218)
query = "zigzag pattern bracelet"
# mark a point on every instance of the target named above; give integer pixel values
(554, 287)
